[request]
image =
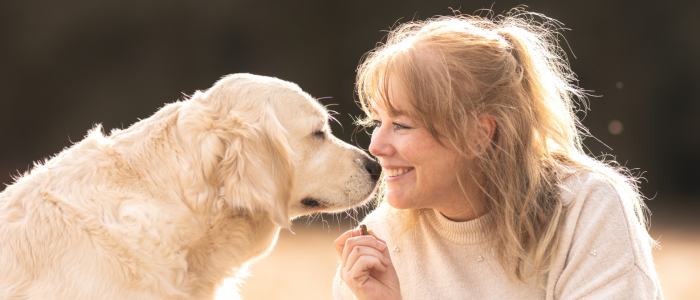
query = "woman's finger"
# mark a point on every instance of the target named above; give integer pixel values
(364, 240)
(360, 251)
(359, 272)
(371, 232)
(339, 243)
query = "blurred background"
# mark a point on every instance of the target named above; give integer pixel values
(68, 65)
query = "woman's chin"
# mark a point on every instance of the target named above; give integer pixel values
(397, 202)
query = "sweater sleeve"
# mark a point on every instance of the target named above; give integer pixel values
(604, 251)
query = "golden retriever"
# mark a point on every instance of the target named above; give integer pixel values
(171, 206)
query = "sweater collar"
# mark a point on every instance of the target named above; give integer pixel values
(467, 232)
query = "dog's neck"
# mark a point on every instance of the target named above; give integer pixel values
(153, 149)
(227, 237)
(228, 244)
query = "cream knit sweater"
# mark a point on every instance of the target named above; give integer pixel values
(603, 254)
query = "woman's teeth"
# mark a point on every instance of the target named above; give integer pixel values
(396, 172)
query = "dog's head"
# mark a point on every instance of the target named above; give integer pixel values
(273, 150)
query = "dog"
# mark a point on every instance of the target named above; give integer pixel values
(176, 203)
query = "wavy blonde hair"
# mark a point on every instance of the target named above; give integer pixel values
(454, 70)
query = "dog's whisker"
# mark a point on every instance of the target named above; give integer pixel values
(323, 223)
(331, 117)
(310, 220)
(352, 218)
(314, 217)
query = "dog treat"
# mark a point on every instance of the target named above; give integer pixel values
(364, 229)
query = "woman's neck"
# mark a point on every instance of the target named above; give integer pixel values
(466, 206)
(462, 212)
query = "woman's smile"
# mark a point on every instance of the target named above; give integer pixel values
(396, 173)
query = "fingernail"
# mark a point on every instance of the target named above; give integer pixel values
(381, 245)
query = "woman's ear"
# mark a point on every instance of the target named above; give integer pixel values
(256, 169)
(487, 129)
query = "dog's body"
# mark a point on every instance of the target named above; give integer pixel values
(171, 206)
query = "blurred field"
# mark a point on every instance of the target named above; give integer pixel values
(303, 264)
(677, 229)
(678, 263)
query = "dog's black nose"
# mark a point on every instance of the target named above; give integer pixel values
(373, 168)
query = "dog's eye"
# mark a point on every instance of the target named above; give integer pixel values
(319, 134)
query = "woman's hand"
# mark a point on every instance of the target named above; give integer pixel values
(366, 266)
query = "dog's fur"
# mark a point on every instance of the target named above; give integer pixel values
(176, 203)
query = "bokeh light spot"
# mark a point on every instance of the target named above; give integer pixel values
(615, 127)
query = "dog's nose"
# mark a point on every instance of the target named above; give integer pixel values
(373, 168)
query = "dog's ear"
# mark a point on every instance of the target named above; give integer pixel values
(256, 168)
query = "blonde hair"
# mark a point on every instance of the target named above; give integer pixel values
(454, 70)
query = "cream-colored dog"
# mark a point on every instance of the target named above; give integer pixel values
(176, 203)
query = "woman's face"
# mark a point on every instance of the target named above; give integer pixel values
(420, 173)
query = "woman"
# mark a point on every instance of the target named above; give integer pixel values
(487, 192)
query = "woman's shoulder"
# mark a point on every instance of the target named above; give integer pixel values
(593, 196)
(584, 179)
(597, 182)
(602, 237)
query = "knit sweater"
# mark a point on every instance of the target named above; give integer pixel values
(603, 252)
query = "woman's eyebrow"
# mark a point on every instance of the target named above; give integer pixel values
(396, 113)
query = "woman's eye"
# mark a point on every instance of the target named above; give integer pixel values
(397, 126)
(400, 126)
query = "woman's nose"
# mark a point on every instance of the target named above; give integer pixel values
(379, 146)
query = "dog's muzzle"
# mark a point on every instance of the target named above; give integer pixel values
(373, 168)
